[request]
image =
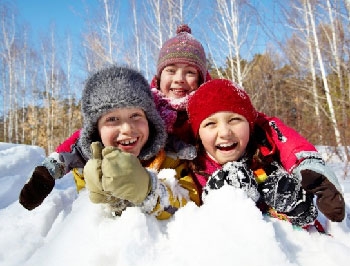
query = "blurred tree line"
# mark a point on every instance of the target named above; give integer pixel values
(301, 75)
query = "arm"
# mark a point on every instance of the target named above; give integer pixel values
(66, 146)
(301, 158)
(290, 145)
(41, 182)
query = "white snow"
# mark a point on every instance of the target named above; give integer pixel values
(67, 229)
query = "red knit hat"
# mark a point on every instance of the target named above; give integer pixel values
(183, 48)
(219, 95)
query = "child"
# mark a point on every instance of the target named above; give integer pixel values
(230, 145)
(181, 69)
(123, 139)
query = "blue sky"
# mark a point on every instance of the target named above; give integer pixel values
(39, 14)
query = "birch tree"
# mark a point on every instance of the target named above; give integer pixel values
(68, 60)
(232, 28)
(8, 32)
(102, 40)
(52, 72)
(336, 41)
(311, 15)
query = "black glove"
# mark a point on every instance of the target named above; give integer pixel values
(304, 211)
(281, 189)
(329, 200)
(37, 188)
(235, 174)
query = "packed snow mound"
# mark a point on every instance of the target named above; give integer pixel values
(67, 229)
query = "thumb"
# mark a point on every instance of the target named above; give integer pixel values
(109, 149)
(96, 150)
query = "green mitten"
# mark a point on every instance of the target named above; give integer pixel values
(124, 176)
(93, 176)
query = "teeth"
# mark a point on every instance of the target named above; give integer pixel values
(225, 145)
(179, 90)
(128, 142)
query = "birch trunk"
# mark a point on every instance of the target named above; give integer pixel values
(323, 75)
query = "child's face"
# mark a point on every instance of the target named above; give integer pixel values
(225, 136)
(124, 128)
(178, 80)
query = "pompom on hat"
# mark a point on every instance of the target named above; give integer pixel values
(185, 49)
(219, 95)
(119, 87)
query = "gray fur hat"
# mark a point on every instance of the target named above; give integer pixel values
(119, 87)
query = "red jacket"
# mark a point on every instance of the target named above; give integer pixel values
(292, 147)
(66, 146)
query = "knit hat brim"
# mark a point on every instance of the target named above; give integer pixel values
(119, 87)
(219, 95)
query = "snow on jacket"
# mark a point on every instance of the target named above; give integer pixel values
(294, 151)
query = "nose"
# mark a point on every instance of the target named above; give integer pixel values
(224, 130)
(179, 76)
(125, 128)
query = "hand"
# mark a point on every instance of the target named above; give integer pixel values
(280, 190)
(235, 174)
(37, 188)
(329, 200)
(93, 176)
(124, 176)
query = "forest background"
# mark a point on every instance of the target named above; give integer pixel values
(291, 56)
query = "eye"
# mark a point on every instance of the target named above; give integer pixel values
(136, 116)
(192, 71)
(236, 119)
(208, 124)
(170, 70)
(112, 119)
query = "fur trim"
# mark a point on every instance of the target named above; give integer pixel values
(119, 87)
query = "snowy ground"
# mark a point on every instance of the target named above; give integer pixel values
(67, 229)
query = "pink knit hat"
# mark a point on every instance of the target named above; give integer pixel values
(219, 95)
(183, 48)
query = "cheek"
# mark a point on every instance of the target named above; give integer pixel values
(208, 138)
(106, 134)
(244, 133)
(193, 82)
(164, 84)
(145, 130)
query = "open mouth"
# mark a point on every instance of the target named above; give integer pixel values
(227, 146)
(180, 92)
(127, 143)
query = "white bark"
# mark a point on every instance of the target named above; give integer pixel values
(8, 37)
(323, 74)
(69, 55)
(230, 21)
(334, 42)
(312, 70)
(136, 36)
